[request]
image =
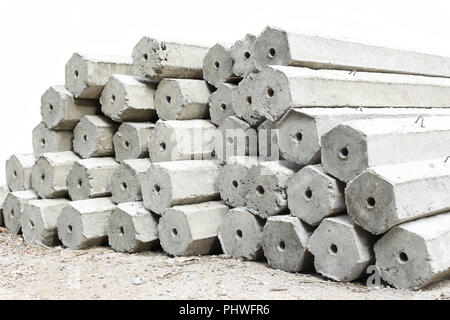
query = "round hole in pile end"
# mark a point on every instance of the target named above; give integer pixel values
(370, 202)
(260, 190)
(403, 257)
(281, 245)
(333, 248)
(271, 53)
(343, 153)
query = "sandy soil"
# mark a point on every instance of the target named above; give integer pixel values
(33, 272)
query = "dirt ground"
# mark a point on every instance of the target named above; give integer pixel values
(33, 272)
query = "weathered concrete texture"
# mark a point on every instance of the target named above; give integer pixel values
(157, 59)
(47, 140)
(129, 98)
(300, 129)
(243, 54)
(353, 146)
(234, 182)
(244, 102)
(267, 187)
(240, 234)
(173, 140)
(285, 242)
(49, 174)
(132, 228)
(314, 195)
(131, 140)
(90, 178)
(86, 75)
(13, 208)
(125, 182)
(61, 111)
(182, 99)
(18, 171)
(82, 224)
(278, 47)
(191, 230)
(279, 88)
(235, 137)
(4, 191)
(415, 254)
(38, 221)
(93, 137)
(221, 103)
(342, 251)
(167, 184)
(218, 65)
(268, 141)
(384, 196)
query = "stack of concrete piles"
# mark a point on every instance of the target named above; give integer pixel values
(350, 159)
(314, 154)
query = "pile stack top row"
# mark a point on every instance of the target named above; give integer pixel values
(222, 63)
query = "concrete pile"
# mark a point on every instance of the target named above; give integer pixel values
(314, 154)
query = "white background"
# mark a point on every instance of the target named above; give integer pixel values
(38, 37)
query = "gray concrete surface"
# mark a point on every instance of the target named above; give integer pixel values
(129, 98)
(269, 141)
(133, 228)
(156, 59)
(342, 251)
(93, 137)
(18, 169)
(166, 184)
(244, 103)
(235, 137)
(285, 243)
(233, 181)
(243, 54)
(38, 221)
(61, 111)
(87, 74)
(191, 230)
(82, 224)
(240, 234)
(267, 187)
(384, 196)
(415, 254)
(279, 88)
(221, 103)
(218, 65)
(300, 129)
(125, 182)
(90, 178)
(174, 140)
(13, 208)
(49, 174)
(279, 47)
(131, 140)
(4, 191)
(182, 99)
(354, 146)
(314, 195)
(47, 140)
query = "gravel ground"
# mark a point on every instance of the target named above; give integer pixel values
(33, 272)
